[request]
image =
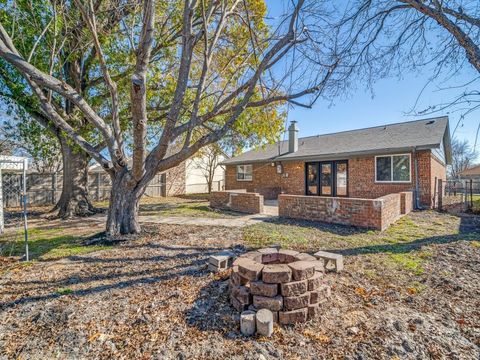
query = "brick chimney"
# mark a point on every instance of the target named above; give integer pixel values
(293, 137)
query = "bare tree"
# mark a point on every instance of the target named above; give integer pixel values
(208, 161)
(219, 66)
(463, 157)
(391, 37)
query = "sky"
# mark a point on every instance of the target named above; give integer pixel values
(392, 101)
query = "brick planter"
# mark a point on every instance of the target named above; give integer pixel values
(286, 282)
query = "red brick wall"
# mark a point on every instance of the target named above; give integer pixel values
(361, 178)
(438, 171)
(370, 213)
(390, 210)
(406, 202)
(267, 182)
(247, 202)
(345, 211)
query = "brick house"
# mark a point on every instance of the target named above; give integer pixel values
(365, 163)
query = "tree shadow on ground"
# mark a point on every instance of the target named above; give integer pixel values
(191, 264)
(212, 311)
(336, 229)
(195, 209)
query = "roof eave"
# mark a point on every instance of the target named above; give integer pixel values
(447, 144)
(333, 156)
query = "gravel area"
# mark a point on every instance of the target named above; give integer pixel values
(151, 297)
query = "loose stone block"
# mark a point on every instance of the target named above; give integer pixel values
(242, 294)
(296, 302)
(247, 323)
(264, 322)
(237, 304)
(331, 261)
(270, 303)
(250, 269)
(302, 270)
(213, 268)
(286, 256)
(263, 289)
(294, 288)
(315, 281)
(278, 273)
(293, 317)
(305, 257)
(222, 259)
(218, 261)
(313, 311)
(274, 313)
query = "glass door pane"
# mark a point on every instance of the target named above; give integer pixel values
(312, 179)
(341, 181)
(326, 179)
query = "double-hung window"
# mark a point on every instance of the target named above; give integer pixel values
(244, 173)
(393, 168)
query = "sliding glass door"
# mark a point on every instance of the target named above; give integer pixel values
(312, 179)
(327, 178)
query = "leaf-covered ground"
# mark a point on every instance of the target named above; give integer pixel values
(412, 292)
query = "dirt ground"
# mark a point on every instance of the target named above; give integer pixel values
(151, 297)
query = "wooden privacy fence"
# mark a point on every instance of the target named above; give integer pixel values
(45, 189)
(456, 195)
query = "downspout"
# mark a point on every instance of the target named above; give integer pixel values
(417, 181)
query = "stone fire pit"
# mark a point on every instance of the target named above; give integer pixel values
(288, 283)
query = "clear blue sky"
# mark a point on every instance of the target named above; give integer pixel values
(392, 102)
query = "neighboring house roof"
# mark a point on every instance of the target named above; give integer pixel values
(475, 170)
(390, 138)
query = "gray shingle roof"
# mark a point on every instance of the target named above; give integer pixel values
(419, 134)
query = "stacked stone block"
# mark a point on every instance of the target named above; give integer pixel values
(288, 283)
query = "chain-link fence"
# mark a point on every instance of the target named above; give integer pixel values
(457, 195)
(13, 227)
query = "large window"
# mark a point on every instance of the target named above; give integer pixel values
(244, 172)
(392, 168)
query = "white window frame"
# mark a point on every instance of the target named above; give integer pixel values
(391, 169)
(244, 172)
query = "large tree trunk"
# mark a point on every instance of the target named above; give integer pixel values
(124, 205)
(74, 200)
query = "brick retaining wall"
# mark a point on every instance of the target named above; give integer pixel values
(406, 202)
(376, 213)
(237, 200)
